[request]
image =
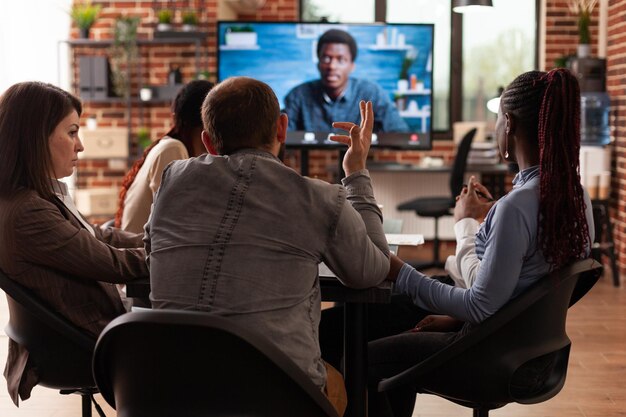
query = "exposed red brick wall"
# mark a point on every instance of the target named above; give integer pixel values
(616, 86)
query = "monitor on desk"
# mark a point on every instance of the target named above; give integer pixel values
(389, 64)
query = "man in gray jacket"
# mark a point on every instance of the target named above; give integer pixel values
(237, 233)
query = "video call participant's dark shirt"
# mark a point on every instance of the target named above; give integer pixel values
(310, 109)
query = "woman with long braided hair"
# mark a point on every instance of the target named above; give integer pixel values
(543, 224)
(182, 141)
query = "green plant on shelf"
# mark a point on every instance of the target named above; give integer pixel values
(407, 61)
(165, 16)
(124, 54)
(203, 75)
(561, 62)
(143, 137)
(84, 15)
(190, 17)
(240, 29)
(583, 9)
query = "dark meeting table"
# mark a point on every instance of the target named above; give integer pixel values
(355, 329)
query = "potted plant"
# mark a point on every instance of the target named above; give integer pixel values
(403, 76)
(190, 21)
(123, 54)
(241, 36)
(583, 9)
(143, 137)
(203, 75)
(145, 93)
(164, 18)
(84, 16)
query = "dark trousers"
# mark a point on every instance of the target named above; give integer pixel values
(385, 321)
(392, 355)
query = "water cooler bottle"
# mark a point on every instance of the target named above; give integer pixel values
(595, 103)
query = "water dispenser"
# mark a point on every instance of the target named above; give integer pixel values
(594, 118)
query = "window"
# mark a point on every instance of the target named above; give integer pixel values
(29, 50)
(497, 45)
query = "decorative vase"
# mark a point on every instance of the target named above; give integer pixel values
(189, 28)
(241, 39)
(584, 50)
(403, 85)
(145, 93)
(164, 27)
(83, 33)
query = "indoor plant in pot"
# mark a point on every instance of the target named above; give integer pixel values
(84, 16)
(164, 18)
(190, 21)
(583, 9)
(123, 54)
(241, 36)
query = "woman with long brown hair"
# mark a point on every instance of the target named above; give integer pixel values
(543, 224)
(182, 141)
(45, 243)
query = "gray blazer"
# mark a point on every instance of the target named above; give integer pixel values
(45, 248)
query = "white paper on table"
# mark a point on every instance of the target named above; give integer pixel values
(403, 239)
(396, 239)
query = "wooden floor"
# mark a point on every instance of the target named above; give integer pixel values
(595, 384)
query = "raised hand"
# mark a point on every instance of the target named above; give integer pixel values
(359, 139)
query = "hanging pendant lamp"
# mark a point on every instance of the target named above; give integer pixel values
(462, 6)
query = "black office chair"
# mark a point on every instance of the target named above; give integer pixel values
(60, 350)
(519, 354)
(437, 207)
(184, 363)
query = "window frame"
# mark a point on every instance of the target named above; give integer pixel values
(455, 102)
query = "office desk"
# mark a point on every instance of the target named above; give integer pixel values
(494, 174)
(397, 183)
(355, 334)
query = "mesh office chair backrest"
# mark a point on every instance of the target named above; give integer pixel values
(457, 177)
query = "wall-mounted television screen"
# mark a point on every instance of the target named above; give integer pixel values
(320, 71)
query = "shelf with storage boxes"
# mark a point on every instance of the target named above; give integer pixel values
(92, 77)
(112, 145)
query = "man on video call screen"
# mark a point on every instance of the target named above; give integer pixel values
(313, 105)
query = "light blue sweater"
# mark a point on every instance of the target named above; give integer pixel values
(510, 258)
